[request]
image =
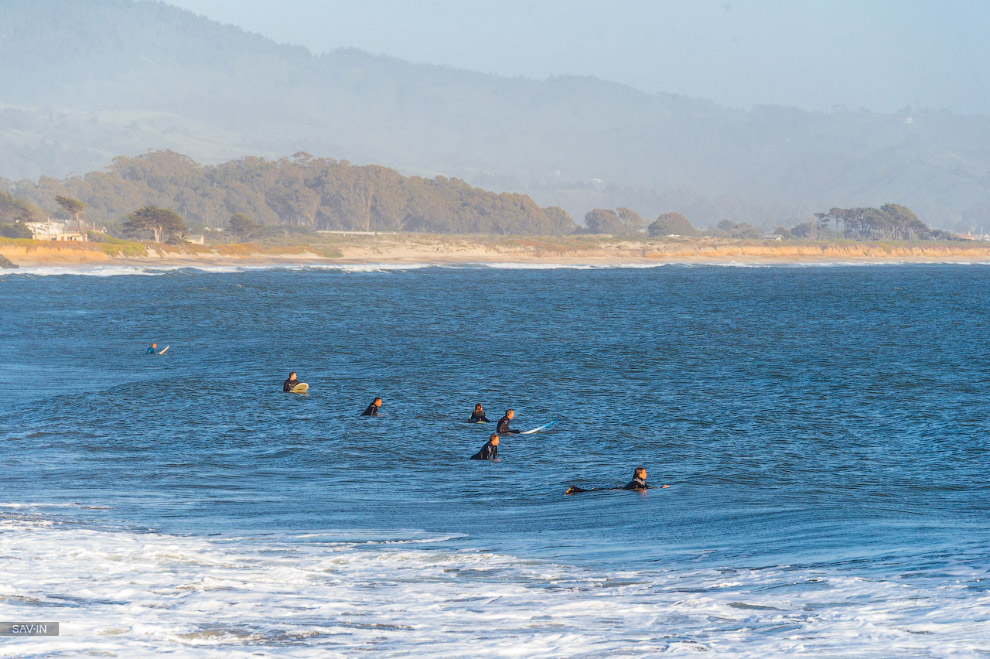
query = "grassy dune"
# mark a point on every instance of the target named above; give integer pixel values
(446, 249)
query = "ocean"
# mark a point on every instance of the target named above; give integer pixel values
(823, 430)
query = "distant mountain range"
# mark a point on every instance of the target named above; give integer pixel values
(87, 80)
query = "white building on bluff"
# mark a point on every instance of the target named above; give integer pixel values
(52, 230)
(70, 230)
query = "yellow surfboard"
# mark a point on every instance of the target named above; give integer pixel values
(300, 388)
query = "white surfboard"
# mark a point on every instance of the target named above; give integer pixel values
(164, 349)
(300, 388)
(543, 427)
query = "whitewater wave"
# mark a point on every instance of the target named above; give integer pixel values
(153, 270)
(124, 593)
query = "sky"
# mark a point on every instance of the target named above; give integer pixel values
(883, 55)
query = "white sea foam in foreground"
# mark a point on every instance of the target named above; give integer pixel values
(127, 594)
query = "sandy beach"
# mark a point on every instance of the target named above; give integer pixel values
(433, 249)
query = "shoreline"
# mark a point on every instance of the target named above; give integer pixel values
(418, 249)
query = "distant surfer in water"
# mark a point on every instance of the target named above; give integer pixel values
(503, 424)
(152, 350)
(291, 382)
(638, 482)
(478, 416)
(489, 451)
(373, 408)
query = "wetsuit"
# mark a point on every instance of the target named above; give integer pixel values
(503, 427)
(478, 417)
(488, 452)
(371, 411)
(288, 384)
(634, 484)
(151, 351)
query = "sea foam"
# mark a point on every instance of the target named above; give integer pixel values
(125, 593)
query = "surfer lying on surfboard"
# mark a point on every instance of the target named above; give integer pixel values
(637, 483)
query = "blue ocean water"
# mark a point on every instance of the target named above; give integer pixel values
(823, 431)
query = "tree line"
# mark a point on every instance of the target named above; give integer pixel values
(889, 222)
(302, 191)
(162, 195)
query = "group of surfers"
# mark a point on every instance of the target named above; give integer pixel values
(490, 450)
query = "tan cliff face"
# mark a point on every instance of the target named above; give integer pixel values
(424, 248)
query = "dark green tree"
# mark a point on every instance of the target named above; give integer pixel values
(730, 229)
(631, 220)
(601, 220)
(243, 226)
(668, 224)
(163, 223)
(15, 230)
(13, 211)
(73, 207)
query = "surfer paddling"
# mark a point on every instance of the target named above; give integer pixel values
(478, 416)
(372, 409)
(638, 482)
(503, 424)
(489, 451)
(152, 349)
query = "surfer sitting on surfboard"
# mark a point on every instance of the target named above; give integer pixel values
(373, 408)
(489, 451)
(637, 483)
(152, 350)
(290, 383)
(478, 416)
(503, 424)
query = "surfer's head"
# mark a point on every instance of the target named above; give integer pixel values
(493, 439)
(510, 414)
(377, 402)
(640, 473)
(154, 345)
(477, 408)
(292, 375)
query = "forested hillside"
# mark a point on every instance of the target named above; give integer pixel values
(86, 80)
(302, 191)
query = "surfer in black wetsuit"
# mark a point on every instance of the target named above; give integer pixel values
(489, 451)
(373, 408)
(291, 382)
(503, 424)
(478, 416)
(637, 483)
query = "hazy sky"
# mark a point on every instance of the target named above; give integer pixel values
(814, 54)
